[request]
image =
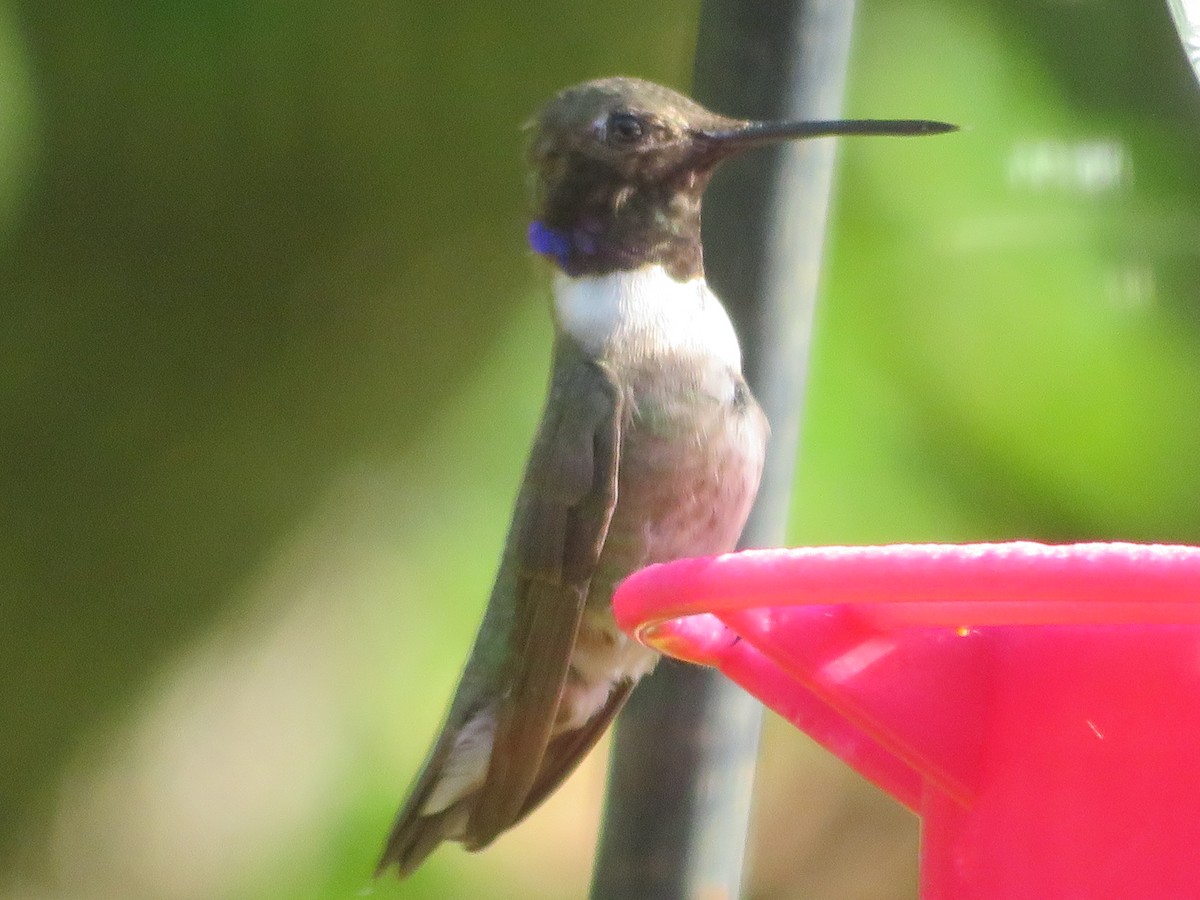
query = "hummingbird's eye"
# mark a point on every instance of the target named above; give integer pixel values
(624, 128)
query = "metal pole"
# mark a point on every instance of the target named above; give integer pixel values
(682, 773)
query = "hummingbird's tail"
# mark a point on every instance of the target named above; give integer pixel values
(415, 836)
(445, 803)
(440, 803)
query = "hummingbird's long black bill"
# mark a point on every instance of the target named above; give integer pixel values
(754, 134)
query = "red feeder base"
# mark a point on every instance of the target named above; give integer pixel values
(1037, 706)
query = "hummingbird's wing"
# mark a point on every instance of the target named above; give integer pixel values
(562, 520)
(558, 530)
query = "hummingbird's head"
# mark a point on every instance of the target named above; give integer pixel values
(620, 166)
(623, 132)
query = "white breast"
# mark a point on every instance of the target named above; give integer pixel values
(603, 312)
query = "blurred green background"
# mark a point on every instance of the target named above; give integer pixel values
(272, 350)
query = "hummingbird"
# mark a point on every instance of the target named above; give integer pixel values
(650, 447)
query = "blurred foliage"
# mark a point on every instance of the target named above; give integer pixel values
(273, 349)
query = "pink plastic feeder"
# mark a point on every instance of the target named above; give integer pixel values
(1038, 706)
